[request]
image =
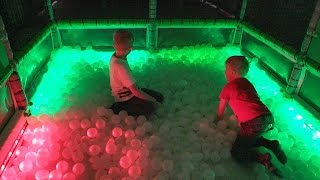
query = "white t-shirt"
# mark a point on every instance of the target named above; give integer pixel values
(120, 79)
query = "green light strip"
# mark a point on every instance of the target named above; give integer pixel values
(175, 23)
(101, 23)
(192, 23)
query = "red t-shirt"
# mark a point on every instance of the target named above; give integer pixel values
(243, 100)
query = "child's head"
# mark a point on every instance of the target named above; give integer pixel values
(123, 42)
(236, 66)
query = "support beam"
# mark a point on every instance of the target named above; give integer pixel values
(50, 9)
(243, 9)
(298, 72)
(238, 32)
(152, 30)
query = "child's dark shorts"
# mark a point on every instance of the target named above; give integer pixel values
(257, 126)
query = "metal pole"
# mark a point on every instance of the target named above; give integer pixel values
(238, 32)
(152, 31)
(243, 9)
(55, 33)
(299, 70)
(50, 9)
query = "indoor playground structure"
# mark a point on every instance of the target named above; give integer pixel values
(55, 121)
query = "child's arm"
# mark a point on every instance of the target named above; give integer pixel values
(140, 94)
(221, 108)
(127, 79)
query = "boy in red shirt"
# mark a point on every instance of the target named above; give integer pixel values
(127, 95)
(254, 117)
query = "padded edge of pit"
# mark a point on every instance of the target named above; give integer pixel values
(10, 133)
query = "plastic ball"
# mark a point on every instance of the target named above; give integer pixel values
(92, 132)
(42, 174)
(100, 124)
(25, 166)
(78, 169)
(129, 134)
(134, 171)
(125, 162)
(62, 166)
(135, 143)
(111, 148)
(94, 150)
(116, 132)
(132, 154)
(69, 176)
(55, 174)
(85, 123)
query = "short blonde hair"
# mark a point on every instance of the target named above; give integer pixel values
(122, 36)
(239, 64)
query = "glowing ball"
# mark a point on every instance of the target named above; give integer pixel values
(123, 114)
(78, 169)
(141, 119)
(143, 152)
(102, 111)
(129, 134)
(100, 124)
(135, 143)
(127, 178)
(132, 154)
(156, 164)
(45, 152)
(85, 123)
(111, 148)
(28, 136)
(62, 166)
(140, 131)
(147, 126)
(94, 150)
(21, 151)
(115, 119)
(134, 171)
(77, 156)
(129, 121)
(67, 153)
(114, 172)
(125, 162)
(116, 132)
(125, 149)
(55, 174)
(25, 166)
(92, 132)
(31, 156)
(69, 176)
(74, 124)
(41, 174)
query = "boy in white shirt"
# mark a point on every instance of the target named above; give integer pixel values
(128, 96)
